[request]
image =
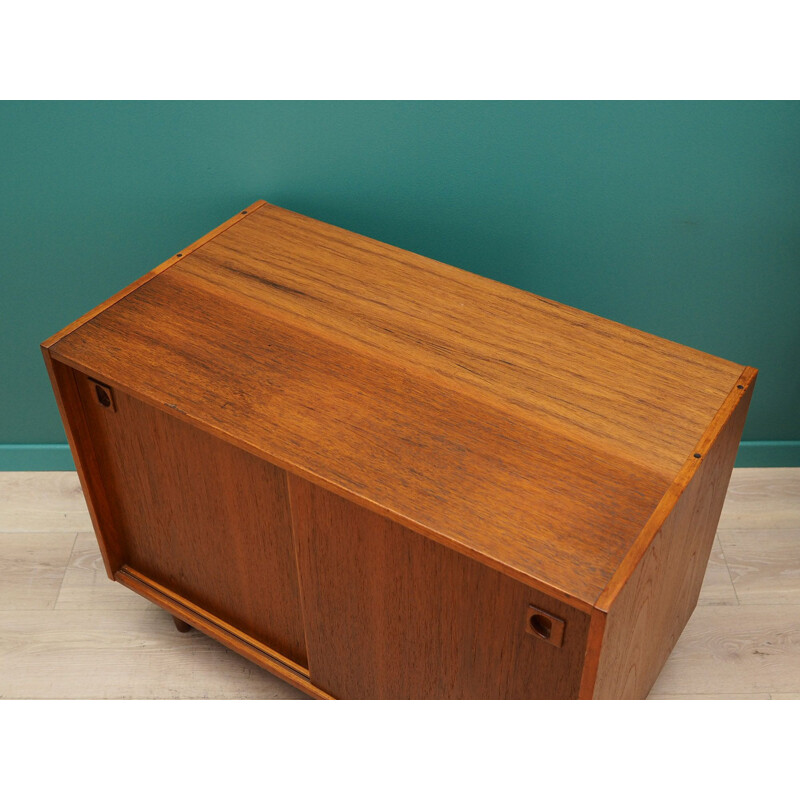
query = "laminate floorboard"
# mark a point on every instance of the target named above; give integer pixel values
(66, 631)
(762, 696)
(32, 567)
(85, 584)
(764, 565)
(764, 498)
(122, 653)
(735, 650)
(47, 502)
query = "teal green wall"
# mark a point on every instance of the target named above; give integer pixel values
(682, 219)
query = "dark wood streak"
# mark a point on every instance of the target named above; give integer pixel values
(259, 279)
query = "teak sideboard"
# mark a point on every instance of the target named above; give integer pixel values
(379, 476)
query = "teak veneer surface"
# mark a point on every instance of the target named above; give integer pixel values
(207, 519)
(532, 436)
(418, 620)
(648, 614)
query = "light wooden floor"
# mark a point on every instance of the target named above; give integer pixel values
(66, 631)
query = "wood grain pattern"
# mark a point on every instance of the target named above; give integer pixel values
(481, 337)
(463, 409)
(432, 453)
(206, 520)
(648, 613)
(171, 261)
(393, 615)
(72, 416)
(735, 405)
(78, 433)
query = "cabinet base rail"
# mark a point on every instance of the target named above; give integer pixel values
(217, 629)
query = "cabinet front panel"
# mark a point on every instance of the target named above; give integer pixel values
(197, 515)
(392, 614)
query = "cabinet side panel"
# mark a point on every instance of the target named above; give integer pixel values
(650, 612)
(70, 406)
(199, 516)
(392, 614)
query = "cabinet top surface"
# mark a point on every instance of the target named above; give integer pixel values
(535, 435)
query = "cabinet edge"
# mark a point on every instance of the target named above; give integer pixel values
(62, 379)
(591, 660)
(664, 581)
(57, 337)
(740, 392)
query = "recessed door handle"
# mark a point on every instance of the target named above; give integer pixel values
(545, 626)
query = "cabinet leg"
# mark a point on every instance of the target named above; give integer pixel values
(182, 626)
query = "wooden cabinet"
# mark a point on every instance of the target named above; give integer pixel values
(379, 476)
